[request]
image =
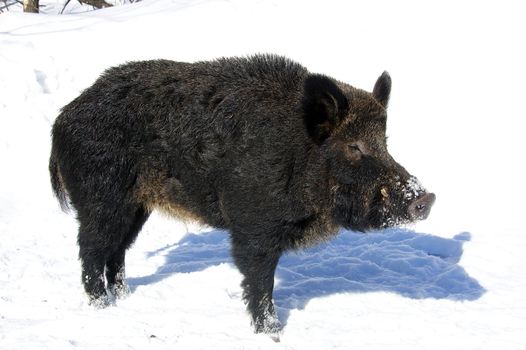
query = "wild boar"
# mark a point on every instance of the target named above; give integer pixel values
(280, 157)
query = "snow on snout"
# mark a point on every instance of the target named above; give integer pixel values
(412, 188)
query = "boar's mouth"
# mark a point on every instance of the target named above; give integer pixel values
(405, 213)
(388, 206)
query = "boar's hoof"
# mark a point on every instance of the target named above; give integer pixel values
(99, 302)
(120, 290)
(269, 325)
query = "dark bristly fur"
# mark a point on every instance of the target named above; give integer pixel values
(280, 157)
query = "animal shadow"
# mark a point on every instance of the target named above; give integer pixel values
(414, 265)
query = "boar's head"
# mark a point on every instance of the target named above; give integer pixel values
(369, 189)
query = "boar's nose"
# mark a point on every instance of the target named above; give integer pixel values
(419, 209)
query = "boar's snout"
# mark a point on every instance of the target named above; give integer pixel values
(420, 207)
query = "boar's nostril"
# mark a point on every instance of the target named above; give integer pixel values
(419, 209)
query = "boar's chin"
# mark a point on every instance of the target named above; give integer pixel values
(375, 220)
(350, 213)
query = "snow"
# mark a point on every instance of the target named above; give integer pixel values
(456, 121)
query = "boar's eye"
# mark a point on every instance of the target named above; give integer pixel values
(353, 147)
(354, 152)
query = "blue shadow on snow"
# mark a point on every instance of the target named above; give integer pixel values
(413, 265)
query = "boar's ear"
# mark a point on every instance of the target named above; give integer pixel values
(324, 106)
(382, 89)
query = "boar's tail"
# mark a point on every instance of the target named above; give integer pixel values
(56, 182)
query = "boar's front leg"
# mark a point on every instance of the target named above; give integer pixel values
(258, 264)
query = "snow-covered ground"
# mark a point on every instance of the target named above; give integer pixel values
(455, 281)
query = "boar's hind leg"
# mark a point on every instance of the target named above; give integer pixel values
(115, 271)
(258, 267)
(103, 239)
